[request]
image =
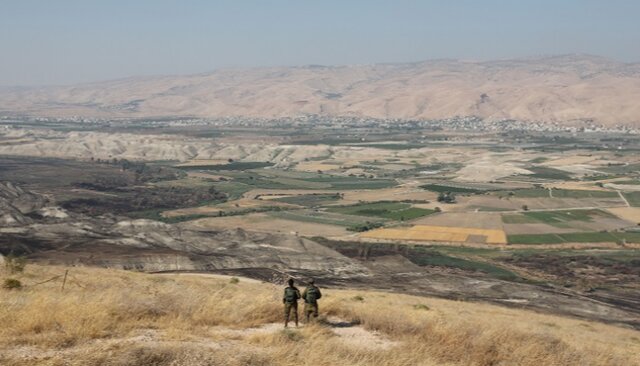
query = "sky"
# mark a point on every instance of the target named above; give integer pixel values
(47, 42)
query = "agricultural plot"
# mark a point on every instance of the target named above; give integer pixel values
(631, 214)
(579, 193)
(267, 222)
(555, 217)
(441, 188)
(633, 198)
(314, 166)
(548, 173)
(320, 217)
(439, 234)
(239, 165)
(387, 210)
(391, 146)
(479, 220)
(271, 180)
(586, 237)
(559, 193)
(310, 200)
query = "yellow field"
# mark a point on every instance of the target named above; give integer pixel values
(626, 213)
(571, 160)
(437, 233)
(583, 186)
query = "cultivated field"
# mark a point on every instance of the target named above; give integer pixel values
(267, 223)
(439, 233)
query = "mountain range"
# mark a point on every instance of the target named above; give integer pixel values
(563, 89)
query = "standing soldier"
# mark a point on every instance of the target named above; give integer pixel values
(311, 295)
(290, 300)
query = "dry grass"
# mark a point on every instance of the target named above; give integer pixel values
(108, 317)
(626, 213)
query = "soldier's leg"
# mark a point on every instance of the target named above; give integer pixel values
(315, 310)
(295, 313)
(306, 312)
(287, 311)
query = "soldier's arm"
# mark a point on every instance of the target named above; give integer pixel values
(304, 294)
(319, 293)
(298, 293)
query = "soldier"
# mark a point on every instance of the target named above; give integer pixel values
(290, 301)
(311, 295)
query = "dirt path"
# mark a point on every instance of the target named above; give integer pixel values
(348, 332)
(624, 198)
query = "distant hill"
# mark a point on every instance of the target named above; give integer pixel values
(560, 88)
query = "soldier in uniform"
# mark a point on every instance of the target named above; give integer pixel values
(311, 295)
(290, 301)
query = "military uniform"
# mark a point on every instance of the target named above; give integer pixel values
(290, 301)
(311, 295)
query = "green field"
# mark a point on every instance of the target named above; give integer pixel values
(233, 190)
(441, 188)
(538, 160)
(632, 182)
(387, 210)
(622, 169)
(559, 193)
(551, 217)
(347, 183)
(633, 198)
(587, 237)
(543, 172)
(578, 193)
(310, 200)
(555, 218)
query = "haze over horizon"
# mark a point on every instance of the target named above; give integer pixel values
(73, 41)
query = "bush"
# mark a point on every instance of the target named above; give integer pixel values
(365, 227)
(358, 298)
(421, 307)
(11, 284)
(234, 280)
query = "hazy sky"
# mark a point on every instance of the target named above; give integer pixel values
(69, 41)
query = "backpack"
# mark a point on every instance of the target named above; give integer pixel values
(290, 295)
(312, 295)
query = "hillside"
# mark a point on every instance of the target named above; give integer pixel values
(556, 89)
(214, 320)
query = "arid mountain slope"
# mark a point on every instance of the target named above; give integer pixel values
(558, 89)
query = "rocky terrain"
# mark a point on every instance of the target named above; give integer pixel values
(15, 204)
(50, 233)
(561, 88)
